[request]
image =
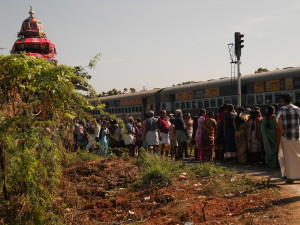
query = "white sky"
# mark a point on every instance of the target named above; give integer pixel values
(157, 43)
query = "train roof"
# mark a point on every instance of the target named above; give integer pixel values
(221, 82)
(225, 81)
(130, 95)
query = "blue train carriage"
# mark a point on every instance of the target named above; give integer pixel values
(261, 89)
(133, 104)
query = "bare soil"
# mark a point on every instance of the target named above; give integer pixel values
(98, 192)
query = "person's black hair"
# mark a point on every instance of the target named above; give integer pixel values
(172, 121)
(240, 110)
(202, 111)
(230, 107)
(287, 97)
(210, 114)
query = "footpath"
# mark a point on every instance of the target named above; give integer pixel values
(291, 192)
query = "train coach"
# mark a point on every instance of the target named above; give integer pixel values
(260, 89)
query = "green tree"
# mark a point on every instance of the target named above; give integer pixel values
(37, 98)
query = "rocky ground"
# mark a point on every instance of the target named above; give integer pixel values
(98, 192)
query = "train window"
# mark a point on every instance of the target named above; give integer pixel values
(250, 100)
(269, 98)
(296, 83)
(234, 100)
(119, 110)
(227, 100)
(182, 104)
(133, 109)
(136, 109)
(194, 104)
(219, 102)
(213, 103)
(297, 97)
(282, 84)
(140, 109)
(206, 103)
(277, 97)
(163, 106)
(259, 99)
(177, 105)
(200, 104)
(126, 110)
(188, 105)
(151, 107)
(129, 109)
(122, 110)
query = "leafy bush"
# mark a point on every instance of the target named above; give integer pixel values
(155, 170)
(36, 99)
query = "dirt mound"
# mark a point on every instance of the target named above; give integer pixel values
(98, 177)
(95, 193)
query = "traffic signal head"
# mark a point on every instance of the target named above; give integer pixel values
(238, 44)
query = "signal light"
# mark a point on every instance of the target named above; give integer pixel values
(238, 44)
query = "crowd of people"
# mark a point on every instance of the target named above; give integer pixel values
(235, 134)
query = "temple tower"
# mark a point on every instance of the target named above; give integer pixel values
(33, 41)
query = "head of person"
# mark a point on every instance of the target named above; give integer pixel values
(151, 114)
(210, 114)
(247, 111)
(178, 113)
(230, 108)
(130, 119)
(163, 113)
(240, 110)
(188, 116)
(286, 98)
(270, 110)
(202, 112)
(147, 115)
(235, 108)
(172, 120)
(254, 114)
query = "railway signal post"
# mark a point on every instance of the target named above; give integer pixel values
(238, 52)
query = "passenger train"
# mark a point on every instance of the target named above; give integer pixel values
(260, 89)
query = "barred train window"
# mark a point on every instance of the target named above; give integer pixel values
(206, 103)
(269, 98)
(212, 103)
(259, 99)
(182, 105)
(188, 105)
(219, 102)
(277, 97)
(194, 104)
(200, 104)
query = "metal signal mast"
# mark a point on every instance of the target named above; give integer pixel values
(238, 52)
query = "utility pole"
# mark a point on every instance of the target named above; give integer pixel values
(238, 52)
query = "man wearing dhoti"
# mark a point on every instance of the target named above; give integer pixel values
(290, 140)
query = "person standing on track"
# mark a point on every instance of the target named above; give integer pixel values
(290, 140)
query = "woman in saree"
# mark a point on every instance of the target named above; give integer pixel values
(254, 137)
(198, 137)
(229, 133)
(241, 134)
(269, 136)
(209, 127)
